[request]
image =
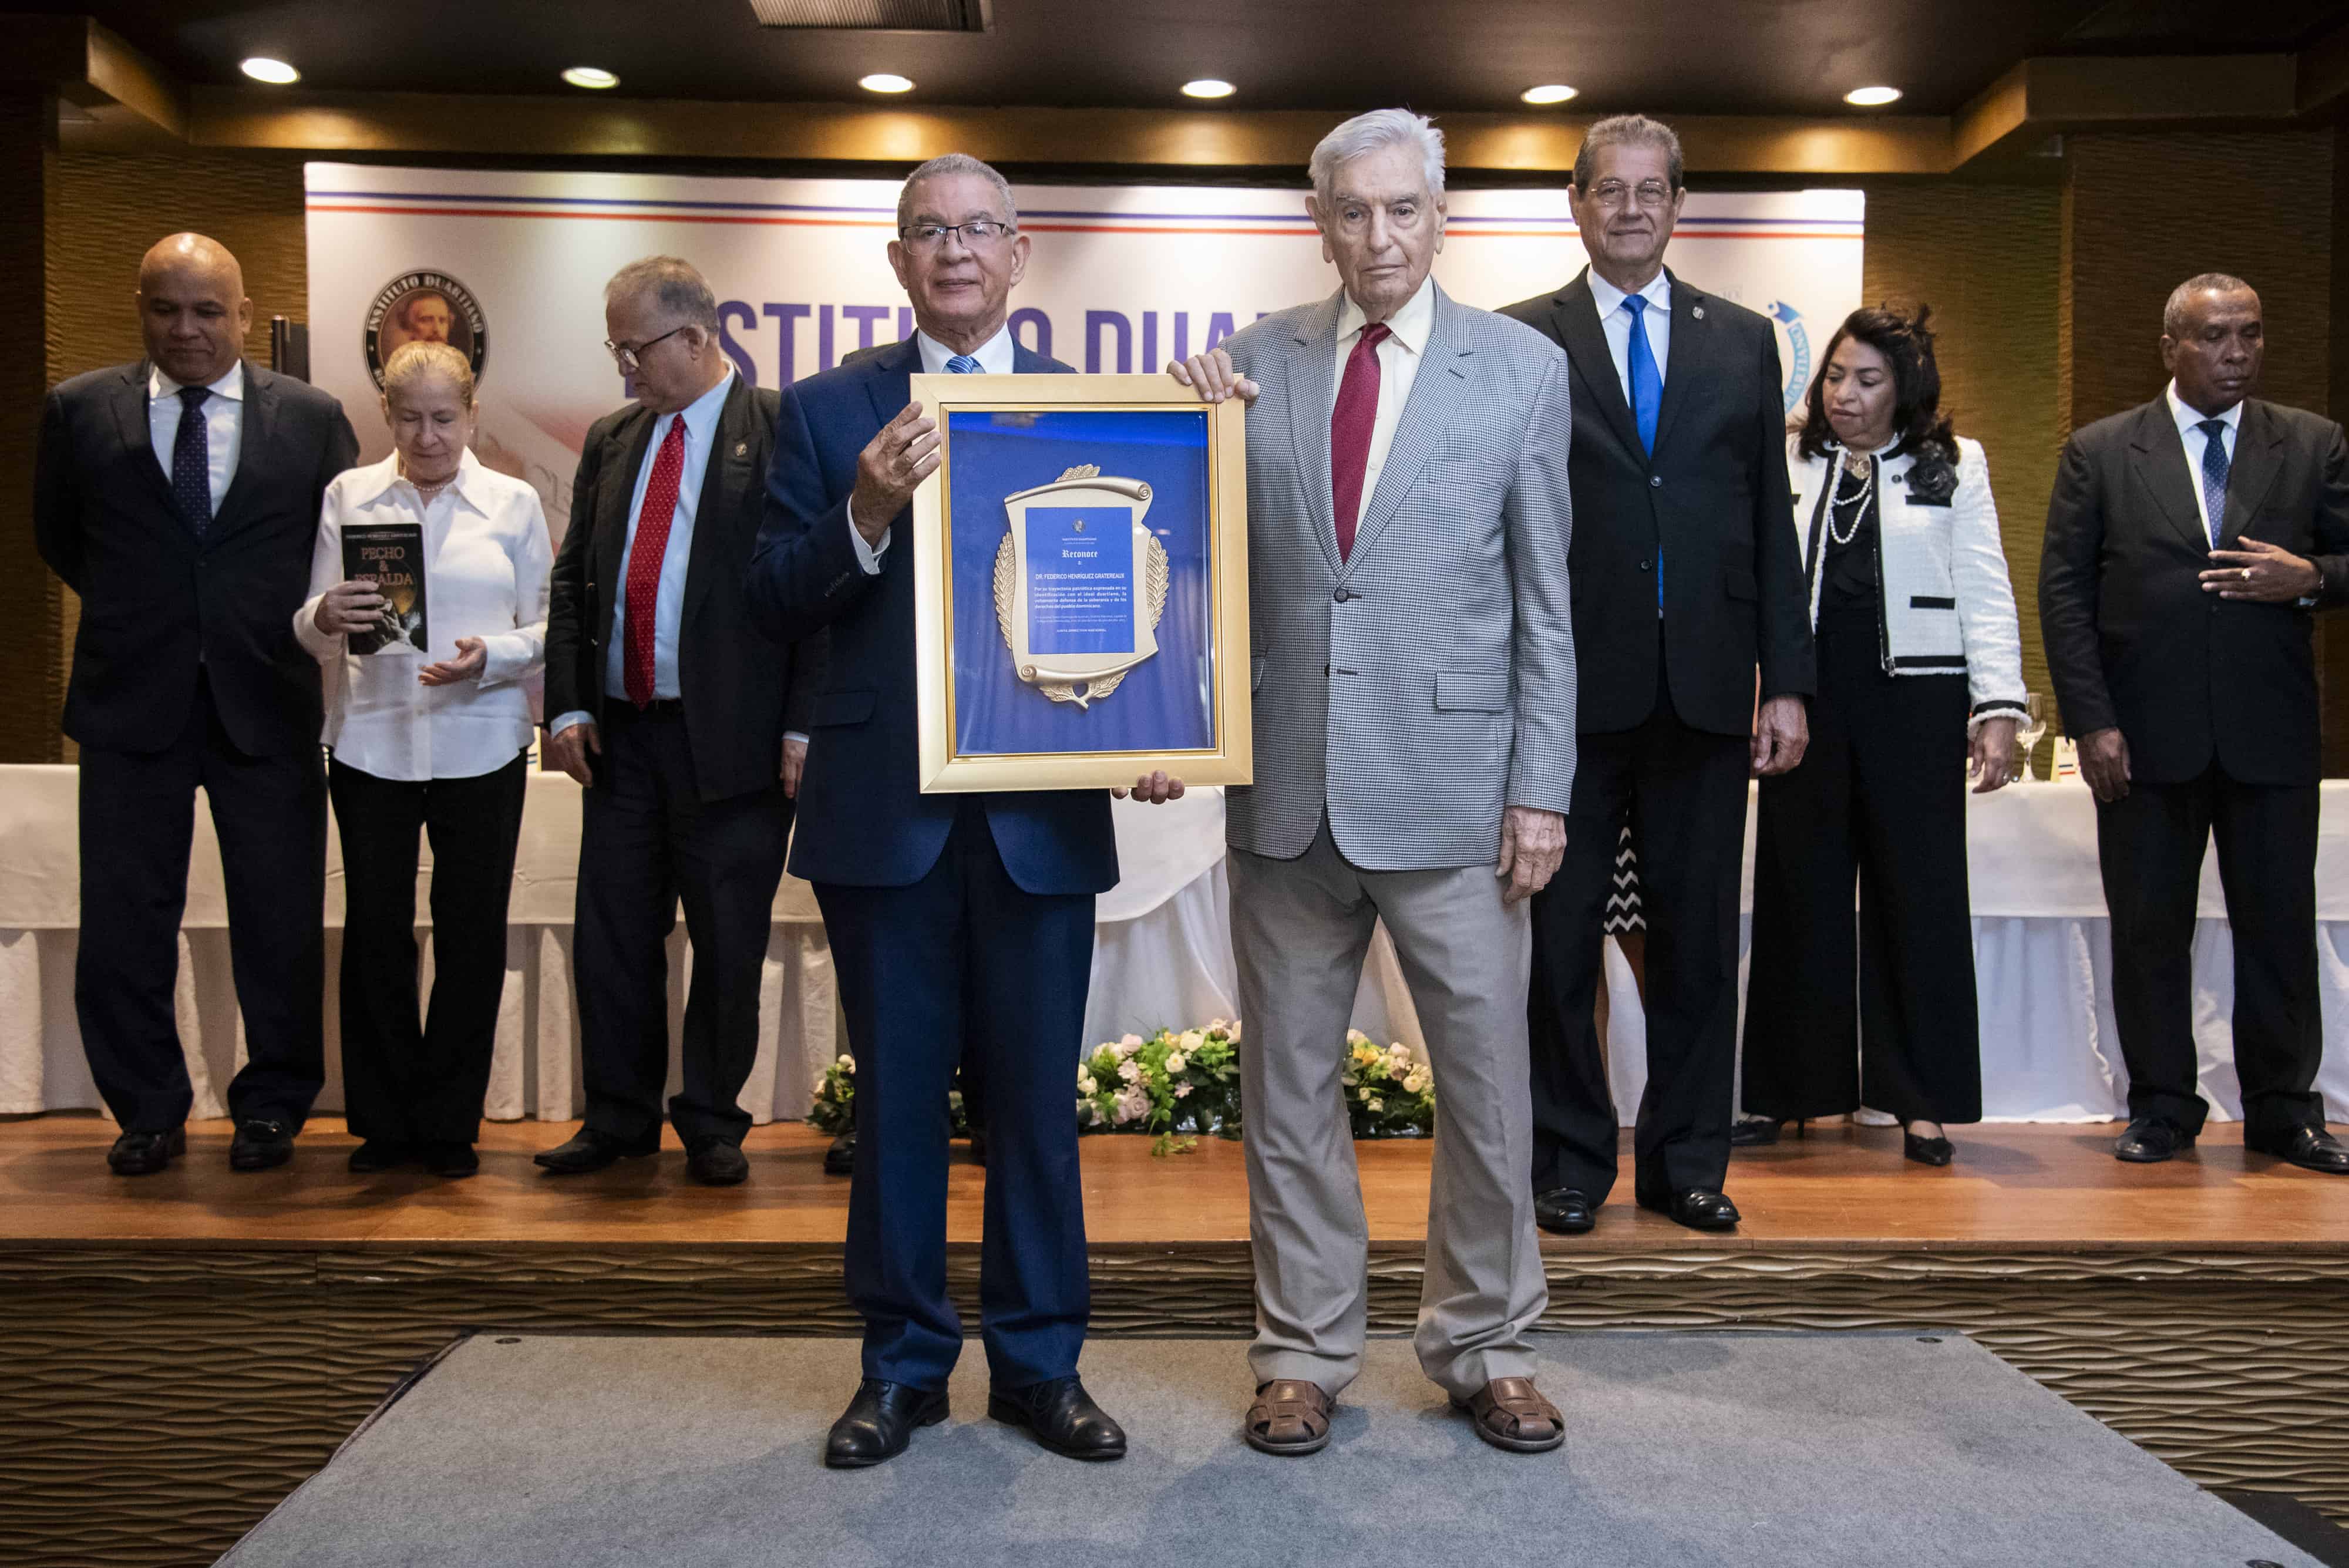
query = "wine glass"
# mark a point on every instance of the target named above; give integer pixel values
(2027, 735)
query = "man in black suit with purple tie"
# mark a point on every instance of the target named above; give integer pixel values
(2188, 540)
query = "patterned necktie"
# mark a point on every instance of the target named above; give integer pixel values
(192, 461)
(2214, 475)
(645, 559)
(1351, 423)
(1647, 401)
(964, 365)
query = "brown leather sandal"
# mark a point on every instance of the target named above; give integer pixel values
(1510, 1413)
(1290, 1417)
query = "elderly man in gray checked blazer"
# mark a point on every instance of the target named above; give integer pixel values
(1413, 670)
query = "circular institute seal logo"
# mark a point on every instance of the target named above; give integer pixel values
(425, 307)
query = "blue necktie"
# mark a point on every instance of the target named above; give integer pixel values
(192, 462)
(1646, 400)
(964, 365)
(2214, 475)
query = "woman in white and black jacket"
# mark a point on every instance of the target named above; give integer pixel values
(1920, 662)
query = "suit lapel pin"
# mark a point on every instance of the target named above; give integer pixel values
(741, 449)
(1697, 311)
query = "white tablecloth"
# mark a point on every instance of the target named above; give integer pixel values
(1162, 957)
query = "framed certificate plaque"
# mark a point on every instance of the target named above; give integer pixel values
(1081, 584)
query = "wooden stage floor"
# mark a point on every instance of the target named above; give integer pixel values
(2014, 1187)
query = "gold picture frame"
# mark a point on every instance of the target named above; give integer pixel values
(1132, 661)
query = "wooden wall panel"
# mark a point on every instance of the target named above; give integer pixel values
(32, 666)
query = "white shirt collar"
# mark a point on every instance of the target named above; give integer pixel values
(2188, 416)
(1409, 325)
(231, 386)
(994, 356)
(1609, 299)
(383, 477)
(700, 416)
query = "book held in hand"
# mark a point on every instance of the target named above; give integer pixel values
(392, 556)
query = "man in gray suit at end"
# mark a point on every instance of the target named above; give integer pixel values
(1413, 670)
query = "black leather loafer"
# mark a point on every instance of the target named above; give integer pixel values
(1697, 1209)
(1754, 1132)
(1062, 1416)
(379, 1153)
(2151, 1140)
(880, 1421)
(1927, 1150)
(840, 1159)
(260, 1145)
(451, 1159)
(145, 1153)
(714, 1162)
(1565, 1211)
(591, 1150)
(2311, 1149)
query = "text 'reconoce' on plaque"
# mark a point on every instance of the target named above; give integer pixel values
(1081, 585)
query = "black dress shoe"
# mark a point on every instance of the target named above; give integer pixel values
(260, 1145)
(1754, 1132)
(979, 1146)
(451, 1160)
(840, 1159)
(2311, 1149)
(880, 1421)
(1062, 1416)
(1697, 1209)
(1927, 1150)
(591, 1150)
(2151, 1140)
(145, 1153)
(379, 1153)
(1565, 1211)
(714, 1162)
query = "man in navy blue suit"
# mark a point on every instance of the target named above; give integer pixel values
(959, 923)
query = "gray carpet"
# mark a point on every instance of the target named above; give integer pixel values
(1683, 1450)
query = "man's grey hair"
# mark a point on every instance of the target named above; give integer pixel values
(2173, 315)
(1627, 130)
(1374, 132)
(675, 285)
(951, 163)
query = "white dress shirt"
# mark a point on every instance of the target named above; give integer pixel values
(2188, 419)
(1616, 322)
(995, 359)
(700, 417)
(224, 424)
(1399, 355)
(487, 560)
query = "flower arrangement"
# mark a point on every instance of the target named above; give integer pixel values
(1179, 1084)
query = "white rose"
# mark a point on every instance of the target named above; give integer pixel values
(1234, 1031)
(846, 1062)
(1131, 1105)
(1191, 1039)
(1129, 1070)
(1356, 1037)
(1129, 1044)
(1374, 1104)
(1215, 1025)
(1177, 1062)
(1085, 1084)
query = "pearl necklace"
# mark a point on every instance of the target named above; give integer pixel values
(1836, 502)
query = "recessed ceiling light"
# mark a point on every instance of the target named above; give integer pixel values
(1554, 92)
(276, 73)
(885, 81)
(1208, 86)
(590, 77)
(1872, 96)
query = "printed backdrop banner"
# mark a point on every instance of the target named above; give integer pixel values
(510, 268)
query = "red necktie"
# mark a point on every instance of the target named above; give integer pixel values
(645, 559)
(1351, 423)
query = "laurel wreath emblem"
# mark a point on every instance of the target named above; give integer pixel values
(1154, 577)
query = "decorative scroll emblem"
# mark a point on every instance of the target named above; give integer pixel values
(1079, 584)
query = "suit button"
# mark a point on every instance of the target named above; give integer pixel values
(1343, 595)
(1655, 481)
(1643, 566)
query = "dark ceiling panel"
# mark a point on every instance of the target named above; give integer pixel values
(2197, 27)
(1750, 57)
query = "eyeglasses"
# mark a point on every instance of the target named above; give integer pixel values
(1648, 192)
(628, 357)
(976, 232)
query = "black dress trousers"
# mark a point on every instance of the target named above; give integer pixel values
(2150, 845)
(649, 843)
(137, 823)
(1683, 791)
(410, 1080)
(1879, 1011)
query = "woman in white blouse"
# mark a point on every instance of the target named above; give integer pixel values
(1920, 676)
(435, 741)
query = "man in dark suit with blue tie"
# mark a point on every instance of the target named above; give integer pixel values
(2188, 540)
(179, 497)
(957, 923)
